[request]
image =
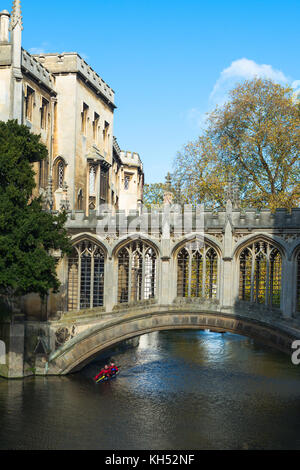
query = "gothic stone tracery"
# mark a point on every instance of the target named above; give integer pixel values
(85, 276)
(136, 272)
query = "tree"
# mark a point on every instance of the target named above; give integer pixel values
(200, 174)
(255, 136)
(28, 233)
(154, 194)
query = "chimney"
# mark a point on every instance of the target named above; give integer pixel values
(4, 26)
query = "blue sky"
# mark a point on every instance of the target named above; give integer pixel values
(169, 62)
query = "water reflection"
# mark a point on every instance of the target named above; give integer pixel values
(177, 390)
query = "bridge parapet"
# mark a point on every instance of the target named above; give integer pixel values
(108, 219)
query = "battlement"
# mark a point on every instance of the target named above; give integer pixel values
(131, 159)
(187, 219)
(71, 62)
(34, 67)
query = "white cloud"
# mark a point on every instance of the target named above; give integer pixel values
(243, 69)
(239, 70)
(40, 49)
(37, 50)
(296, 86)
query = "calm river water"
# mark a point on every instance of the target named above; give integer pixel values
(177, 390)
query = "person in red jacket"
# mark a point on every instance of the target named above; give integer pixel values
(113, 369)
(103, 373)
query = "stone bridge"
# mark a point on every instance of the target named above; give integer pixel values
(232, 270)
(93, 335)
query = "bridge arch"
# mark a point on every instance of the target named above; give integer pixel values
(80, 350)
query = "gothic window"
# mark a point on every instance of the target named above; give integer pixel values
(137, 272)
(260, 274)
(85, 276)
(80, 200)
(44, 113)
(96, 127)
(197, 271)
(245, 275)
(59, 174)
(92, 180)
(126, 182)
(103, 185)
(105, 130)
(298, 283)
(29, 103)
(84, 118)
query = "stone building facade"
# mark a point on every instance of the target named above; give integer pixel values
(62, 98)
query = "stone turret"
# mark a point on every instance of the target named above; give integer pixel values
(4, 26)
(232, 193)
(16, 27)
(131, 181)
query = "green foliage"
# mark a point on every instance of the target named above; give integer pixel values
(28, 234)
(200, 174)
(154, 194)
(255, 137)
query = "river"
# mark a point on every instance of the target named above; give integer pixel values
(179, 390)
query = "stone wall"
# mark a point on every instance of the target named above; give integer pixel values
(13, 336)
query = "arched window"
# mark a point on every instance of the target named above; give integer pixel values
(59, 174)
(137, 272)
(260, 274)
(298, 283)
(80, 200)
(86, 276)
(92, 180)
(197, 271)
